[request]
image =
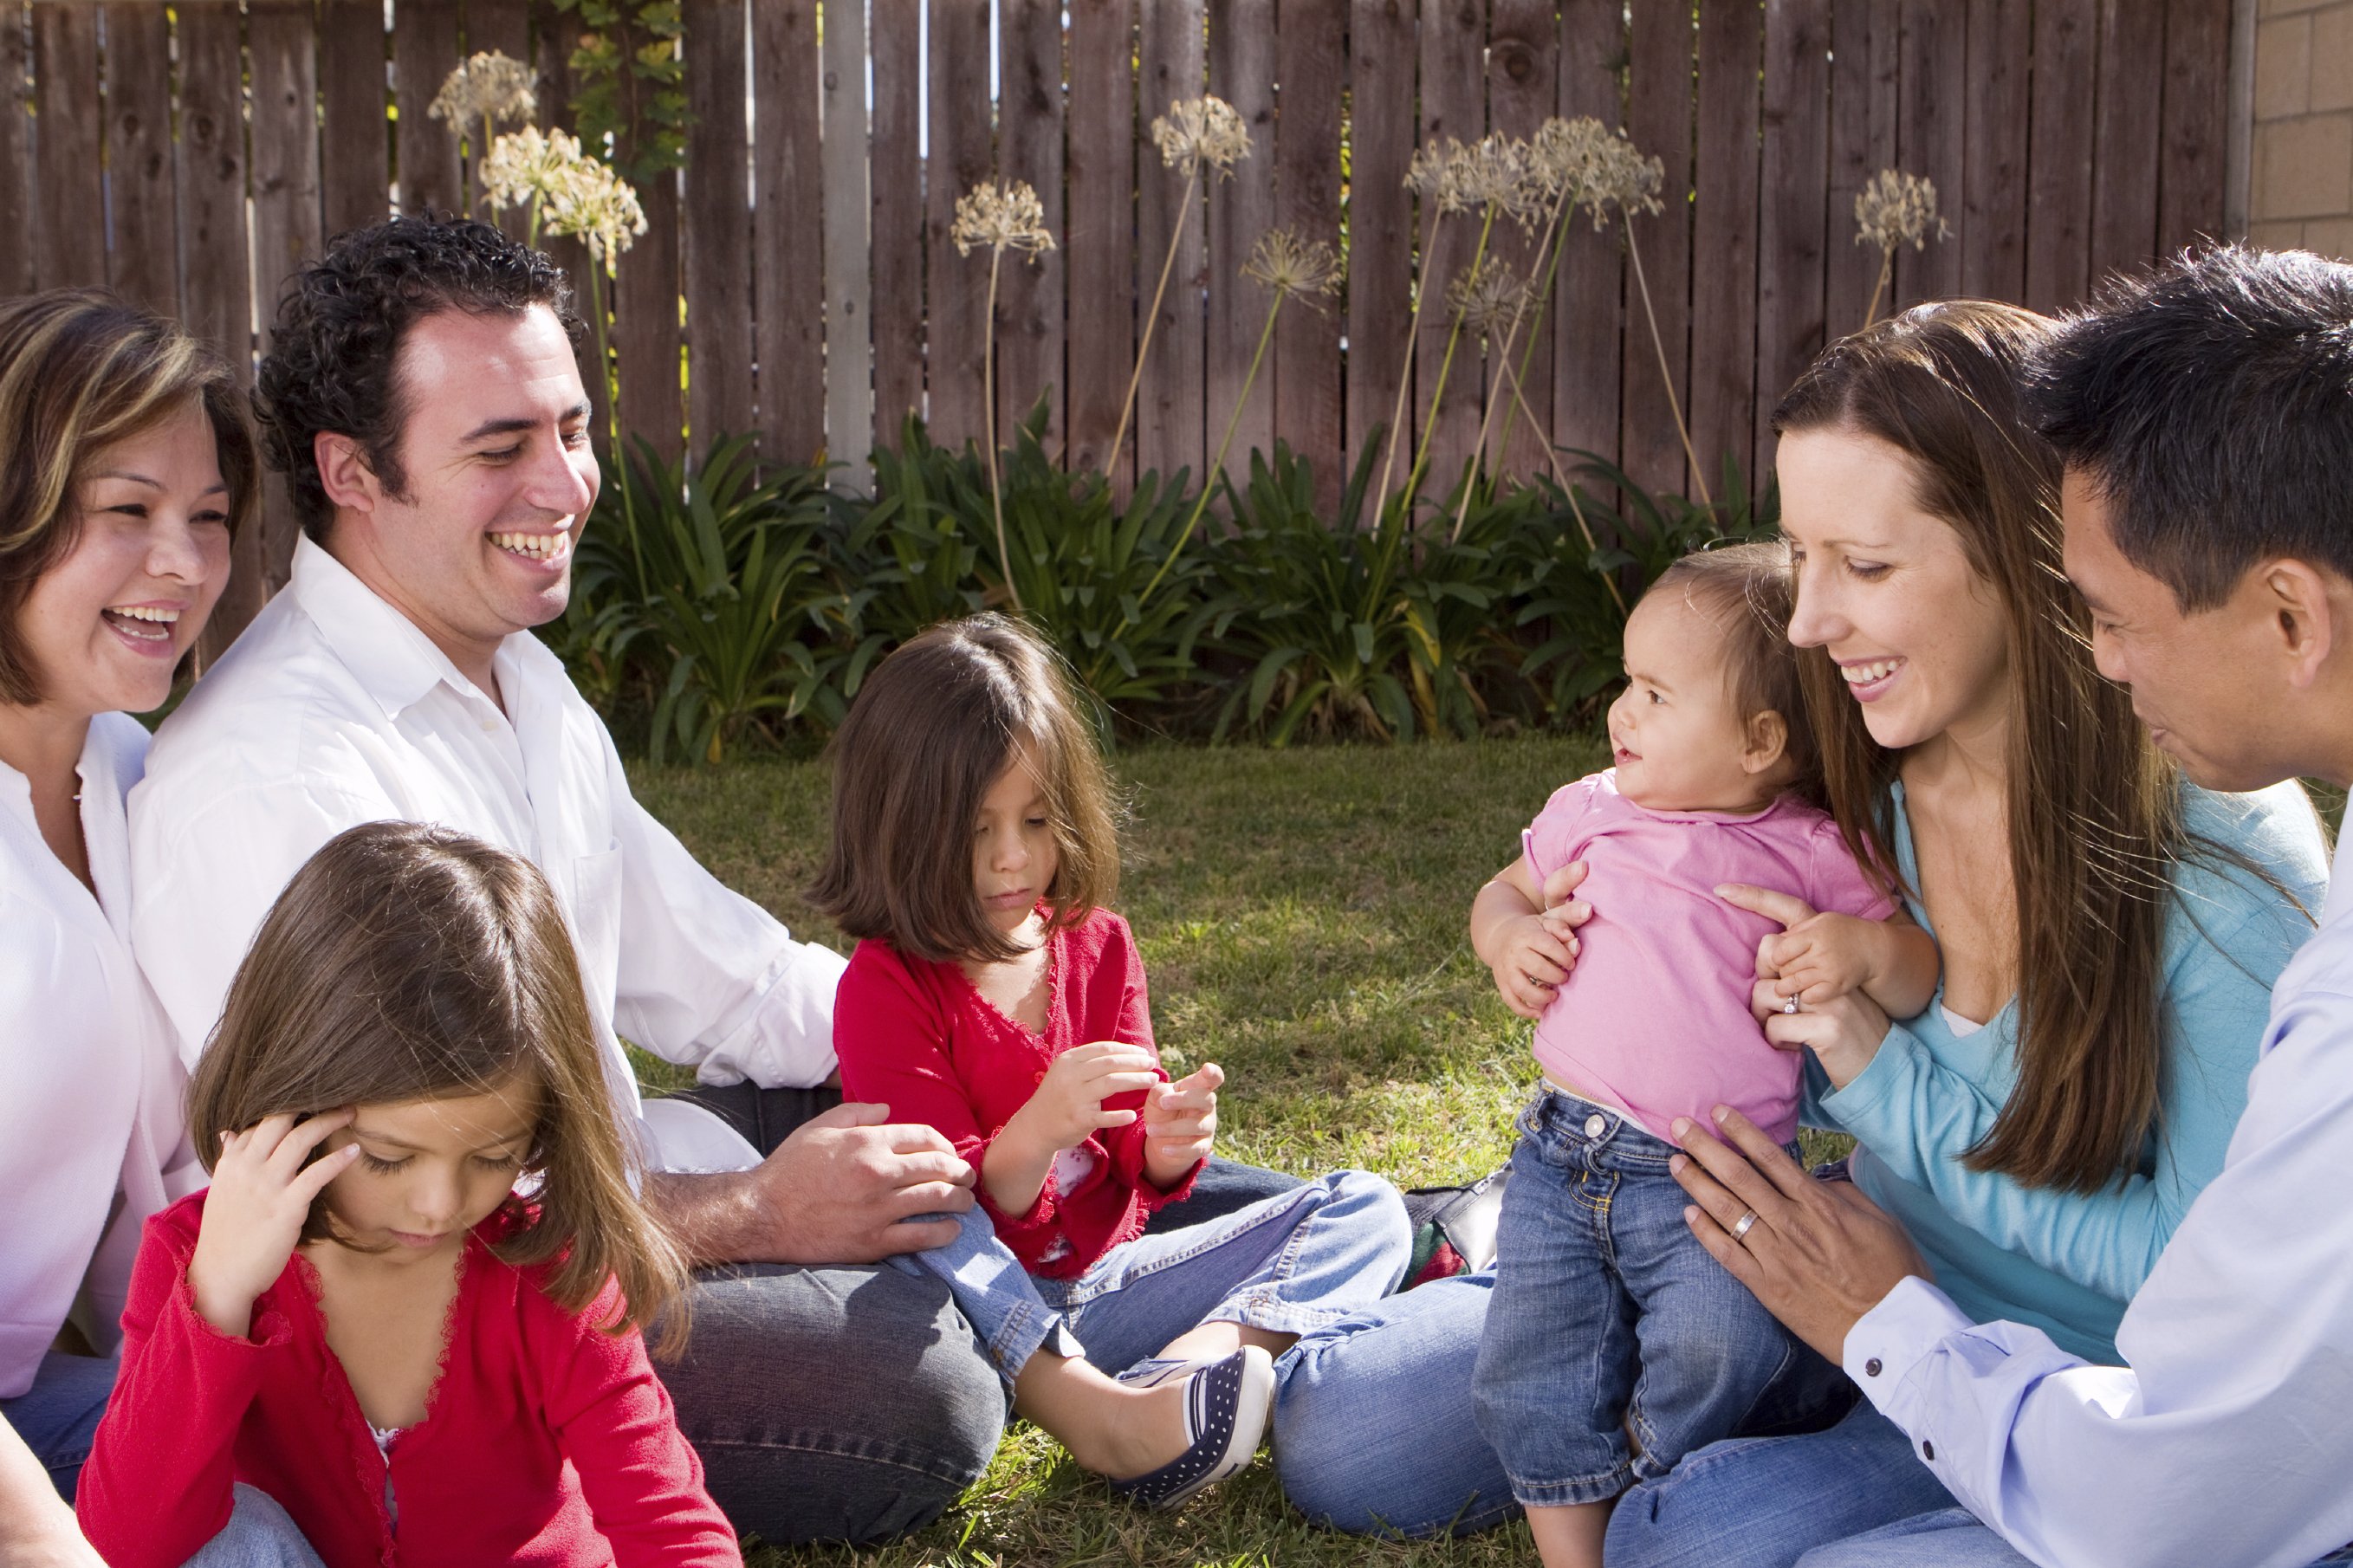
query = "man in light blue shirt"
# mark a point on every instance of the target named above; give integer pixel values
(2205, 415)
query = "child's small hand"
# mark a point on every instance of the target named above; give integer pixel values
(1068, 1108)
(1180, 1123)
(1533, 955)
(1822, 957)
(261, 1194)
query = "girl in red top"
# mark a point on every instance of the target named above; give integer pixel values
(993, 997)
(361, 1319)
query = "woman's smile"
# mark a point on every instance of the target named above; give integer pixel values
(1868, 679)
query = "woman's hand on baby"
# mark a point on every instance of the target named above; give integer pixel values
(1180, 1123)
(262, 1195)
(1068, 1108)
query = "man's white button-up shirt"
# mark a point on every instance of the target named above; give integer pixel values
(333, 709)
(2228, 1438)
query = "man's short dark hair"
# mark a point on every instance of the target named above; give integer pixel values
(335, 343)
(2210, 403)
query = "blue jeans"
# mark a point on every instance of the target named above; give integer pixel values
(1289, 1264)
(1374, 1432)
(1609, 1317)
(1949, 1538)
(57, 1417)
(1765, 1502)
(258, 1535)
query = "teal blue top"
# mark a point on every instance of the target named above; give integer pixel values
(2061, 1261)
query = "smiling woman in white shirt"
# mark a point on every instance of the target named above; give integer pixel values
(125, 470)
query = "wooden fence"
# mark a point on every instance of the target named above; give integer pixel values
(193, 158)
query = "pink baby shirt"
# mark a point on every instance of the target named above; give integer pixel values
(1654, 1017)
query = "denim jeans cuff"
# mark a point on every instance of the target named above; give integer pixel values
(1025, 1333)
(1262, 1307)
(1569, 1493)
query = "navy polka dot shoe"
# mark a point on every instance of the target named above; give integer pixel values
(1225, 1406)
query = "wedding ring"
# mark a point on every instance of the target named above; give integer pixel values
(1746, 1220)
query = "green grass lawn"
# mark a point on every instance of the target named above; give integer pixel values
(1301, 915)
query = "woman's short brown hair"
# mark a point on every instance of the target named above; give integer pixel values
(407, 962)
(1745, 590)
(937, 722)
(80, 370)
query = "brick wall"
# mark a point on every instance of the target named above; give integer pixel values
(2300, 192)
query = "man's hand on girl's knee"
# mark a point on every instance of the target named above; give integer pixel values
(843, 1189)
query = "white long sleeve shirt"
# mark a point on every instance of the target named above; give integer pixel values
(2226, 1441)
(92, 1132)
(333, 709)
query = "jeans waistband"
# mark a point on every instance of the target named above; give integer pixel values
(1569, 1117)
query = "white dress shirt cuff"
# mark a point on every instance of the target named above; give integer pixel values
(1888, 1343)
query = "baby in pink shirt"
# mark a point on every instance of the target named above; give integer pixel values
(1607, 1317)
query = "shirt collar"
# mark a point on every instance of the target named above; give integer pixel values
(395, 662)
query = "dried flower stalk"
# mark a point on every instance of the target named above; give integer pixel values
(1003, 217)
(1203, 133)
(489, 86)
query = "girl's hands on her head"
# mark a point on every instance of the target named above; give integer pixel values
(1068, 1108)
(1180, 1124)
(261, 1194)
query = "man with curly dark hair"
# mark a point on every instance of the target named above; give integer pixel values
(423, 398)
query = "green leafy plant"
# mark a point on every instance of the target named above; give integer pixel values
(631, 83)
(732, 589)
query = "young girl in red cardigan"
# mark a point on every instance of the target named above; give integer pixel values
(994, 998)
(406, 1315)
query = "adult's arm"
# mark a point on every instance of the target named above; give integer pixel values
(1917, 1116)
(36, 1528)
(204, 872)
(2222, 1440)
(708, 978)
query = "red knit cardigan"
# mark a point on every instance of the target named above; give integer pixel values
(916, 1036)
(546, 1441)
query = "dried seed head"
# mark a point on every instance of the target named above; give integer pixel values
(1430, 174)
(1203, 133)
(1496, 172)
(1293, 267)
(1567, 155)
(527, 163)
(579, 194)
(1490, 298)
(1896, 209)
(1620, 176)
(1001, 218)
(490, 85)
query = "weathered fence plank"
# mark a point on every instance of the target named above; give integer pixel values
(2196, 109)
(1794, 212)
(848, 424)
(961, 159)
(1589, 301)
(355, 159)
(69, 242)
(1169, 418)
(801, 193)
(1099, 233)
(556, 34)
(424, 52)
(897, 231)
(282, 41)
(1310, 63)
(1989, 216)
(143, 261)
(1454, 104)
(1523, 92)
(1030, 137)
(2127, 138)
(16, 193)
(1381, 60)
(1862, 141)
(645, 309)
(717, 241)
(499, 25)
(1658, 112)
(2058, 166)
(1932, 139)
(1724, 254)
(1242, 71)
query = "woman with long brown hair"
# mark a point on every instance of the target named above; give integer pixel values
(125, 469)
(2109, 932)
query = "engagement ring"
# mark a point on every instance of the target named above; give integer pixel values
(1790, 1004)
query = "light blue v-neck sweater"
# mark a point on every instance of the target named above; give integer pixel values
(2060, 1261)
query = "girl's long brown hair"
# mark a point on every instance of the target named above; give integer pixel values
(2093, 809)
(406, 961)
